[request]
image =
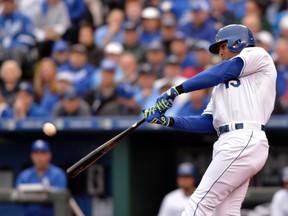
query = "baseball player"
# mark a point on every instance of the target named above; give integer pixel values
(279, 201)
(241, 104)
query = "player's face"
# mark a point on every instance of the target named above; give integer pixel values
(224, 52)
(41, 160)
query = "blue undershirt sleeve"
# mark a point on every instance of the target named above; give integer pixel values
(200, 124)
(215, 75)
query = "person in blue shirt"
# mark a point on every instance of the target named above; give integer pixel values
(201, 25)
(16, 36)
(60, 53)
(150, 26)
(112, 31)
(80, 69)
(24, 105)
(42, 172)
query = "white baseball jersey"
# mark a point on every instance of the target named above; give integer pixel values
(173, 203)
(250, 98)
(279, 205)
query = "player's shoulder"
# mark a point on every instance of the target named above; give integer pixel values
(254, 51)
(27, 172)
(173, 195)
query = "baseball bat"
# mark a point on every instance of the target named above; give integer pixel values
(93, 156)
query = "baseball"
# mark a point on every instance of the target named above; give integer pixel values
(49, 129)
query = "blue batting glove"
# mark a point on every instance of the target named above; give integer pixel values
(165, 101)
(153, 116)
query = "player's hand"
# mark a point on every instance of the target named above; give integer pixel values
(153, 116)
(165, 101)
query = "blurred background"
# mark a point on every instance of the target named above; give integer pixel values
(91, 66)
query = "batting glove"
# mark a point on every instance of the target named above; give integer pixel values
(165, 101)
(153, 116)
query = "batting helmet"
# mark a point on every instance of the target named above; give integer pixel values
(237, 37)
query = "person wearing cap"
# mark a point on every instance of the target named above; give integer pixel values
(112, 31)
(203, 59)
(145, 91)
(60, 53)
(42, 172)
(168, 30)
(156, 56)
(200, 26)
(131, 41)
(279, 205)
(17, 43)
(71, 104)
(79, 68)
(62, 82)
(24, 105)
(103, 99)
(180, 49)
(150, 26)
(133, 9)
(10, 74)
(174, 202)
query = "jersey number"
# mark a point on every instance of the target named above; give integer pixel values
(233, 82)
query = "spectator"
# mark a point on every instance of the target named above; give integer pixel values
(80, 69)
(94, 53)
(238, 7)
(265, 40)
(44, 79)
(126, 89)
(278, 204)
(180, 49)
(60, 53)
(133, 10)
(201, 26)
(252, 22)
(76, 9)
(175, 201)
(131, 41)
(172, 73)
(284, 27)
(220, 14)
(16, 38)
(96, 10)
(176, 9)
(63, 81)
(3, 106)
(24, 105)
(258, 8)
(203, 59)
(112, 31)
(10, 78)
(195, 105)
(281, 63)
(71, 104)
(51, 21)
(103, 99)
(44, 173)
(145, 93)
(156, 56)
(168, 30)
(273, 9)
(150, 26)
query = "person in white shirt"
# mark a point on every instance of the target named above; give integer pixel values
(174, 202)
(279, 205)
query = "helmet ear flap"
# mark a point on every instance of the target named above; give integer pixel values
(236, 45)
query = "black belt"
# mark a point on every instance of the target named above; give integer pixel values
(225, 128)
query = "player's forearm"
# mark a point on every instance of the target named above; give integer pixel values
(213, 76)
(200, 124)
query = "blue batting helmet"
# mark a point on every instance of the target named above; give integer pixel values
(237, 37)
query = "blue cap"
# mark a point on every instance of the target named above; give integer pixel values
(186, 169)
(70, 93)
(27, 87)
(199, 6)
(40, 145)
(108, 65)
(60, 46)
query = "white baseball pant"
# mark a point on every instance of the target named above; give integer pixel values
(237, 156)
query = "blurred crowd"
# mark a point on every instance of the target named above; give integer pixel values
(115, 57)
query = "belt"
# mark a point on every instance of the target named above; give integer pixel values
(238, 126)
